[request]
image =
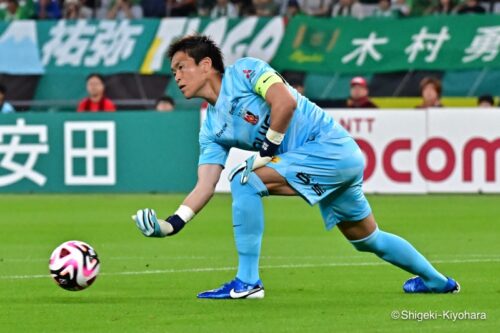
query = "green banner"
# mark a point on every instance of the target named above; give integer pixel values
(342, 45)
(237, 38)
(104, 46)
(122, 152)
(132, 46)
(347, 45)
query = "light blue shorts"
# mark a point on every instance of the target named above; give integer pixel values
(328, 171)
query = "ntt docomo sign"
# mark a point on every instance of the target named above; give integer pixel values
(434, 150)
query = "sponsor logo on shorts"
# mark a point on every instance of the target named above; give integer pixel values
(307, 179)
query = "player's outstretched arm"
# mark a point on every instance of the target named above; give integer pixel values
(282, 104)
(151, 226)
(208, 177)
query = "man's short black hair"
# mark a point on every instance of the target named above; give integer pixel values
(486, 98)
(3, 89)
(165, 98)
(198, 47)
(97, 75)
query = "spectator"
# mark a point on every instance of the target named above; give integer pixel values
(485, 101)
(384, 9)
(401, 8)
(95, 6)
(265, 8)
(316, 7)
(178, 8)
(224, 8)
(125, 9)
(348, 8)
(47, 10)
(430, 89)
(292, 9)
(97, 100)
(245, 7)
(204, 7)
(444, 7)
(4, 106)
(359, 94)
(154, 8)
(75, 9)
(14, 11)
(470, 7)
(165, 104)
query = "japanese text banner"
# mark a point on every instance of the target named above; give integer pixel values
(94, 46)
(383, 45)
(105, 152)
(109, 46)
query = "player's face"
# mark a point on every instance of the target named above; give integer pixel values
(189, 76)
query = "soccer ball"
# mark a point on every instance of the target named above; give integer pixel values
(74, 265)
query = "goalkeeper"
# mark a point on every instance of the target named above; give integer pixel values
(300, 150)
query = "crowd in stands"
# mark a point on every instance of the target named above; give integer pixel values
(98, 101)
(136, 9)
(430, 92)
(359, 96)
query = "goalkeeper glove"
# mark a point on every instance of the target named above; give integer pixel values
(268, 149)
(151, 226)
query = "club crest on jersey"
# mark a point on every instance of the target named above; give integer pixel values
(251, 118)
(248, 73)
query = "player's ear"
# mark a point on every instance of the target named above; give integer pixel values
(206, 64)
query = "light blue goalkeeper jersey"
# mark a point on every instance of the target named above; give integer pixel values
(241, 117)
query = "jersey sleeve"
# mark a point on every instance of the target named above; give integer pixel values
(210, 151)
(256, 75)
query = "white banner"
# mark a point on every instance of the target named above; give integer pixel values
(467, 148)
(389, 140)
(419, 151)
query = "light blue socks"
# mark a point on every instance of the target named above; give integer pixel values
(248, 225)
(399, 252)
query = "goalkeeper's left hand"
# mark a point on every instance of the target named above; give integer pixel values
(151, 226)
(253, 162)
(269, 147)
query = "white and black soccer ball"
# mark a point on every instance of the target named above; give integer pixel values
(74, 265)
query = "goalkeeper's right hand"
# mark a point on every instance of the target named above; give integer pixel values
(151, 226)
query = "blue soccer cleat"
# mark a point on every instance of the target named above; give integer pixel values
(417, 285)
(235, 289)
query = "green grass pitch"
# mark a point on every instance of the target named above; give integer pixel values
(315, 281)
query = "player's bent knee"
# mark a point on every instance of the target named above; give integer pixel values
(356, 230)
